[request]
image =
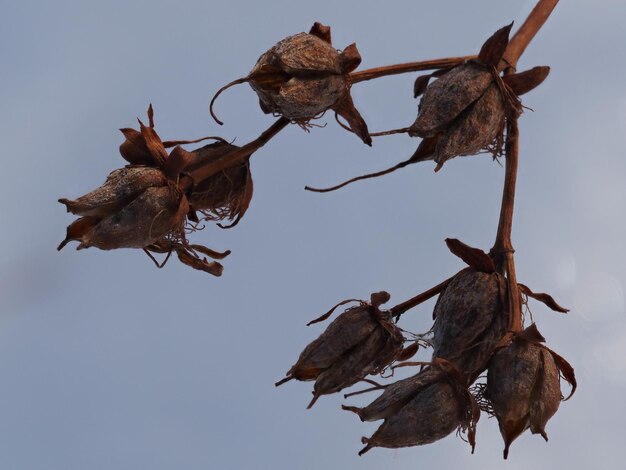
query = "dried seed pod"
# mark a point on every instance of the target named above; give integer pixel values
(303, 76)
(464, 110)
(470, 320)
(421, 409)
(121, 187)
(523, 388)
(362, 340)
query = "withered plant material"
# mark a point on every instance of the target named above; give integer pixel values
(523, 385)
(421, 409)
(303, 76)
(470, 320)
(134, 208)
(226, 195)
(363, 340)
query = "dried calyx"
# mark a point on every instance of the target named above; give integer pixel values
(363, 340)
(303, 76)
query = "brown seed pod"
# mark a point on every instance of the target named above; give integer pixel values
(303, 76)
(470, 320)
(421, 409)
(523, 389)
(148, 218)
(362, 340)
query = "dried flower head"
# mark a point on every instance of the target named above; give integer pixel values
(421, 409)
(523, 385)
(362, 340)
(303, 76)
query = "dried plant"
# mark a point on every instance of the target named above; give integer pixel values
(468, 105)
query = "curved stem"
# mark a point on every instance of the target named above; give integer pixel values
(396, 69)
(238, 154)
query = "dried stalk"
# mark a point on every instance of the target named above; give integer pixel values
(396, 69)
(238, 155)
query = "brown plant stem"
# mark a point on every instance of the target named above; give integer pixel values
(396, 69)
(418, 299)
(238, 155)
(526, 33)
(502, 250)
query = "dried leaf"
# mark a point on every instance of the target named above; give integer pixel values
(330, 312)
(526, 81)
(213, 267)
(134, 149)
(408, 352)
(567, 371)
(321, 31)
(421, 83)
(474, 257)
(77, 229)
(531, 334)
(209, 252)
(349, 58)
(345, 108)
(174, 164)
(172, 143)
(153, 143)
(493, 49)
(542, 297)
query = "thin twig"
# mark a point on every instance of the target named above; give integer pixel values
(396, 69)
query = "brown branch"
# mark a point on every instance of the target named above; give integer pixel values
(418, 299)
(396, 69)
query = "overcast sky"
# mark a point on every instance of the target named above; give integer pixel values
(108, 363)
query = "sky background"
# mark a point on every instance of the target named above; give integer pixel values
(109, 363)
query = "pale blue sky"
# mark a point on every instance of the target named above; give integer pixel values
(108, 363)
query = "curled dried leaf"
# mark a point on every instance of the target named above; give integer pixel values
(474, 257)
(547, 299)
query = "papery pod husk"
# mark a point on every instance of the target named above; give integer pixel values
(299, 78)
(344, 333)
(523, 388)
(352, 366)
(397, 395)
(120, 188)
(157, 212)
(225, 195)
(477, 128)
(470, 320)
(431, 415)
(447, 97)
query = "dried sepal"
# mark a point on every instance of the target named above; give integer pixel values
(523, 82)
(474, 257)
(547, 299)
(493, 49)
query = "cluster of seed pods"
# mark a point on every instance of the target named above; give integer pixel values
(470, 335)
(467, 106)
